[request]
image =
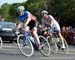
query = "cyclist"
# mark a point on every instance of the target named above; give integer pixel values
(29, 22)
(48, 20)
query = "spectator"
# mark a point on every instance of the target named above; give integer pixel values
(1, 18)
(63, 30)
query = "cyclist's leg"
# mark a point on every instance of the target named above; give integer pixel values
(36, 35)
(25, 33)
(62, 40)
(57, 29)
(33, 28)
(34, 32)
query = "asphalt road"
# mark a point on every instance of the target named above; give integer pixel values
(11, 52)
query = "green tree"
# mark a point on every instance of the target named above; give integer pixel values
(12, 12)
(36, 6)
(5, 11)
(65, 9)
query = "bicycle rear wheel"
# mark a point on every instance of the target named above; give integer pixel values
(45, 50)
(25, 50)
(66, 46)
(1, 43)
(66, 49)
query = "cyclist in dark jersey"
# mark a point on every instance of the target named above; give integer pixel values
(29, 21)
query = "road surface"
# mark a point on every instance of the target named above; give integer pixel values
(11, 52)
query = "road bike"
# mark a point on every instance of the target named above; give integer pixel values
(56, 43)
(32, 44)
(54, 40)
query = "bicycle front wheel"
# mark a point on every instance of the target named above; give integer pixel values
(53, 44)
(1, 43)
(25, 50)
(45, 50)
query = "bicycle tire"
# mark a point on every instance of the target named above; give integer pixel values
(53, 44)
(1, 42)
(66, 49)
(44, 51)
(23, 51)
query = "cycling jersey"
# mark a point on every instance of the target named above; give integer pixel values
(25, 16)
(55, 25)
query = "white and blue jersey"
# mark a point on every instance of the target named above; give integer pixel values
(55, 25)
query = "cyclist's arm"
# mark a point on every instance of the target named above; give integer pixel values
(51, 21)
(17, 25)
(42, 24)
(27, 21)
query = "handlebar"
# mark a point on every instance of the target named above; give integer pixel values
(47, 29)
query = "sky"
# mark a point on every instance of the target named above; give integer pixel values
(10, 1)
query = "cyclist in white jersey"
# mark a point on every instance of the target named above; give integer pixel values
(48, 20)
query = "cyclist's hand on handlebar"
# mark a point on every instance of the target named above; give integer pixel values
(49, 28)
(44, 29)
(17, 32)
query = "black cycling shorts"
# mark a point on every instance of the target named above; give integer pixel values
(32, 24)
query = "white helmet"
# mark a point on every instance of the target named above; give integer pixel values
(44, 12)
(20, 8)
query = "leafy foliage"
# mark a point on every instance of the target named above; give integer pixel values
(63, 9)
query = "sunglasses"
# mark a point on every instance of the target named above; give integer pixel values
(44, 14)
